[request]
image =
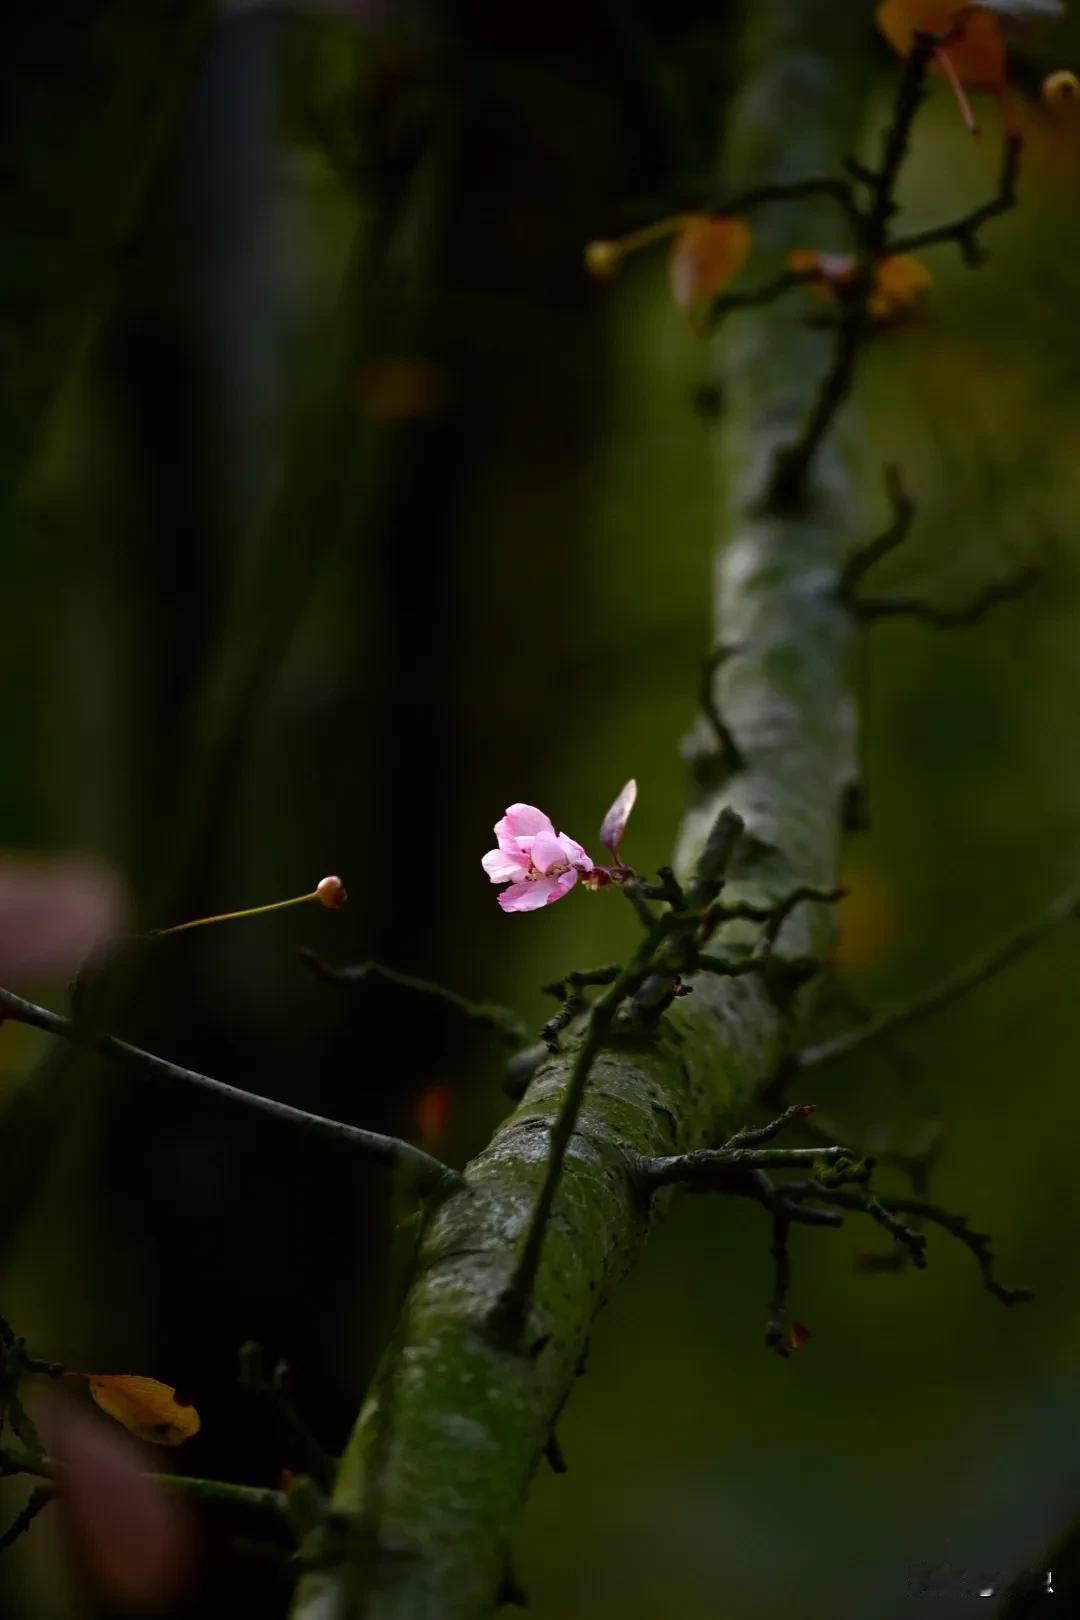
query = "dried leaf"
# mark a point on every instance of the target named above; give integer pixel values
(707, 255)
(899, 282)
(145, 1407)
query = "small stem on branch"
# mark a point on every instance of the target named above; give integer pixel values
(978, 971)
(425, 1172)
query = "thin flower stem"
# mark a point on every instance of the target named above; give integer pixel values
(231, 916)
(946, 64)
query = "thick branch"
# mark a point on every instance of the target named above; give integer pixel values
(438, 1466)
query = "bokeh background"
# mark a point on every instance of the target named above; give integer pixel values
(358, 511)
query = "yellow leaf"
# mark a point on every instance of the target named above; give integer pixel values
(899, 281)
(145, 1407)
(708, 253)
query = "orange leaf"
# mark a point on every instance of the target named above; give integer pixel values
(708, 253)
(145, 1407)
(899, 281)
(977, 54)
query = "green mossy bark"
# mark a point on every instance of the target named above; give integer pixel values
(438, 1467)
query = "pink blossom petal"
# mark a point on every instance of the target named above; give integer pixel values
(573, 852)
(53, 910)
(547, 851)
(531, 896)
(563, 884)
(614, 823)
(505, 865)
(134, 1540)
(521, 821)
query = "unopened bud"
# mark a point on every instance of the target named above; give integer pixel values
(331, 893)
(602, 259)
(1060, 87)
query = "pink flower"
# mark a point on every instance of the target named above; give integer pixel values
(539, 864)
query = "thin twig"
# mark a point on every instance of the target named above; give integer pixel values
(977, 972)
(504, 1023)
(978, 1243)
(730, 751)
(39, 1498)
(774, 1326)
(861, 561)
(871, 609)
(212, 1492)
(747, 202)
(964, 231)
(767, 293)
(426, 1172)
(792, 466)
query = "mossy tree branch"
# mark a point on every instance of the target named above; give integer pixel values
(437, 1469)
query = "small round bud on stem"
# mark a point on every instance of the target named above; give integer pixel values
(331, 893)
(1061, 87)
(602, 259)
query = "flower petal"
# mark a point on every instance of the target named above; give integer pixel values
(573, 852)
(561, 886)
(521, 821)
(529, 896)
(505, 865)
(547, 851)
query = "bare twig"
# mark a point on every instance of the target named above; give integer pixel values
(747, 202)
(861, 561)
(500, 1020)
(977, 972)
(729, 749)
(767, 293)
(425, 1172)
(777, 1318)
(871, 609)
(964, 231)
(977, 1242)
(793, 464)
(255, 1499)
(39, 1498)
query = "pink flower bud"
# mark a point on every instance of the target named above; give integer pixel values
(331, 892)
(614, 823)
